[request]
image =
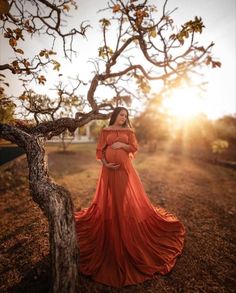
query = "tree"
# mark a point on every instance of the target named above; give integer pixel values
(7, 109)
(152, 124)
(170, 55)
(42, 108)
(225, 128)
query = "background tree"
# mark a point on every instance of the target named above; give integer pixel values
(226, 128)
(153, 124)
(170, 55)
(43, 108)
(7, 109)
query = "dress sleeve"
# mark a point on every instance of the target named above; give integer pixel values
(101, 143)
(133, 145)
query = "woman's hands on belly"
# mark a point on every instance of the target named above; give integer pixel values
(116, 154)
(117, 145)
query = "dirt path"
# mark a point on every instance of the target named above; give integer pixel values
(201, 195)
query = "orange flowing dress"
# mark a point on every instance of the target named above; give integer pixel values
(124, 239)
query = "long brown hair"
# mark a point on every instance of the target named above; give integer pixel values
(114, 115)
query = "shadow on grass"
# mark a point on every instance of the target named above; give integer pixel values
(36, 280)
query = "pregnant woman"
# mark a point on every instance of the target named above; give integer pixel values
(124, 239)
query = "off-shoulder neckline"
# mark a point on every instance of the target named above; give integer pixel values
(115, 129)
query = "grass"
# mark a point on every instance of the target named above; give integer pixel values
(202, 195)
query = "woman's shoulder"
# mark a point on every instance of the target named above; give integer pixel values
(120, 129)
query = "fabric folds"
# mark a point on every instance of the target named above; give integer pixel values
(124, 239)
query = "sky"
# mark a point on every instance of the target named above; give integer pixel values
(219, 18)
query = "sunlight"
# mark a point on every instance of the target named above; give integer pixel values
(184, 103)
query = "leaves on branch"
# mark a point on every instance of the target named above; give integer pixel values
(105, 22)
(57, 65)
(116, 8)
(152, 32)
(7, 108)
(41, 79)
(192, 26)
(119, 99)
(143, 84)
(66, 7)
(216, 64)
(20, 51)
(46, 53)
(140, 14)
(12, 42)
(210, 61)
(41, 17)
(104, 51)
(136, 25)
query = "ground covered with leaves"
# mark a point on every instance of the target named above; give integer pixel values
(202, 195)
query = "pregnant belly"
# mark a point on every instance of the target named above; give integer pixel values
(118, 156)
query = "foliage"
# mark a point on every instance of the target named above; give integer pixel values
(22, 20)
(152, 124)
(7, 109)
(219, 146)
(170, 53)
(96, 126)
(226, 127)
(43, 108)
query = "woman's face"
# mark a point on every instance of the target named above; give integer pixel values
(121, 117)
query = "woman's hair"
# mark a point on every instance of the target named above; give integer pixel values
(114, 115)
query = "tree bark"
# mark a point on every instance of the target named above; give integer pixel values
(55, 202)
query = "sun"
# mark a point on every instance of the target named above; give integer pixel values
(184, 103)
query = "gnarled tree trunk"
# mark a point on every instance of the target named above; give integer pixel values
(55, 202)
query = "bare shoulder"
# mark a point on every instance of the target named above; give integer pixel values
(122, 128)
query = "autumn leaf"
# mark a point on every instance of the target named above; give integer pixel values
(116, 8)
(42, 52)
(13, 42)
(140, 15)
(15, 64)
(105, 22)
(41, 79)
(152, 33)
(18, 33)
(208, 60)
(104, 51)
(57, 65)
(215, 64)
(20, 51)
(52, 52)
(66, 7)
(26, 63)
(201, 49)
(145, 88)
(23, 97)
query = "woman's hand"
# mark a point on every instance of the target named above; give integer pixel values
(117, 145)
(109, 165)
(112, 165)
(121, 145)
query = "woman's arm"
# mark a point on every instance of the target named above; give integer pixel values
(127, 147)
(131, 147)
(103, 160)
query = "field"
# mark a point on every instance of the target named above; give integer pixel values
(202, 195)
